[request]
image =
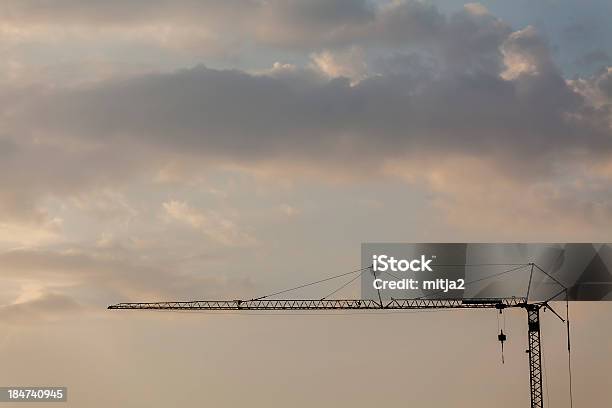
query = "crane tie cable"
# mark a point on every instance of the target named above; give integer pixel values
(341, 287)
(480, 279)
(313, 283)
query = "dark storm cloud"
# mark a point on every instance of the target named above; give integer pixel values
(122, 127)
(461, 105)
(463, 84)
(234, 115)
(323, 12)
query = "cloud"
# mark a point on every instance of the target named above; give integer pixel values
(385, 87)
(234, 116)
(96, 276)
(476, 196)
(200, 25)
(604, 83)
(348, 64)
(284, 24)
(525, 52)
(182, 212)
(217, 227)
(35, 168)
(458, 86)
(46, 307)
(26, 234)
(105, 205)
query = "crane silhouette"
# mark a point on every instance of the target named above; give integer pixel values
(263, 303)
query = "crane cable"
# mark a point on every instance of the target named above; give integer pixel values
(522, 266)
(545, 371)
(501, 337)
(567, 325)
(312, 283)
(569, 349)
(342, 287)
(360, 271)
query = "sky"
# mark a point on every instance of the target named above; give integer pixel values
(156, 150)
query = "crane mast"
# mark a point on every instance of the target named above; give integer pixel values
(534, 350)
(535, 355)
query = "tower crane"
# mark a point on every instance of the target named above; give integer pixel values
(532, 309)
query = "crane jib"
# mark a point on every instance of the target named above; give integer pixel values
(326, 304)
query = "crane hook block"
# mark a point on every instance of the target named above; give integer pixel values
(502, 337)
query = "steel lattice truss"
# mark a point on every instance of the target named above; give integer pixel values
(535, 356)
(326, 304)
